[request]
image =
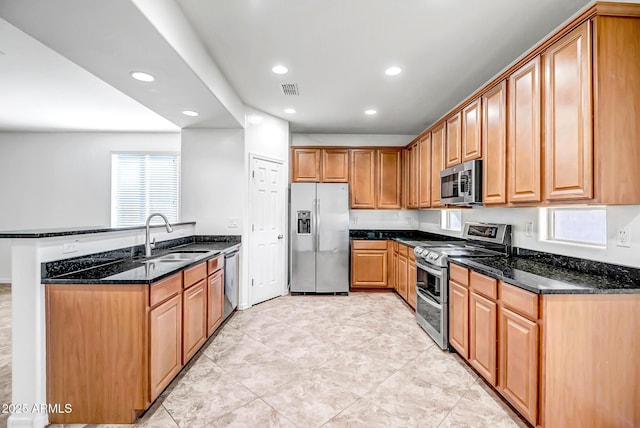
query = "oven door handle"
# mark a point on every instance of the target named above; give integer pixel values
(432, 271)
(429, 299)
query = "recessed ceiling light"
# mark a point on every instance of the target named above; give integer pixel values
(191, 113)
(143, 77)
(290, 110)
(370, 112)
(280, 69)
(393, 71)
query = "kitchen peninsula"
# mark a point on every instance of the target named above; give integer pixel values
(109, 259)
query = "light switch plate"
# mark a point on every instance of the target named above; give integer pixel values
(232, 222)
(528, 230)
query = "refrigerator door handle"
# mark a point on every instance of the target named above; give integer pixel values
(318, 225)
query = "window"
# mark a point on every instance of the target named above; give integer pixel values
(144, 183)
(451, 220)
(578, 225)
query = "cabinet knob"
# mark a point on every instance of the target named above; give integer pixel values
(280, 236)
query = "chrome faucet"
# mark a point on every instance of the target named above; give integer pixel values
(148, 245)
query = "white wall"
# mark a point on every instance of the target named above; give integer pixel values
(213, 180)
(617, 216)
(267, 136)
(62, 179)
(350, 140)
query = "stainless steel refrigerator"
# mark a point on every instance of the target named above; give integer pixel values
(319, 219)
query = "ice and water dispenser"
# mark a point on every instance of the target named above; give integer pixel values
(304, 222)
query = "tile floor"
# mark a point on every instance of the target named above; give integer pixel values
(311, 361)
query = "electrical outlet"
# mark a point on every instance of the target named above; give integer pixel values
(232, 222)
(528, 229)
(354, 219)
(623, 237)
(70, 247)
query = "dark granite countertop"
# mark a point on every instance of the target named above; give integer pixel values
(127, 266)
(412, 238)
(66, 231)
(543, 278)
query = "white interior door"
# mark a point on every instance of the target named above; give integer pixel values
(268, 224)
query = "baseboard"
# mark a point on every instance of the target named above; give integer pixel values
(5, 281)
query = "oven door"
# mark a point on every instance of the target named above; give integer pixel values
(431, 303)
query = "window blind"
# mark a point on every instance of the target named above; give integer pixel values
(144, 183)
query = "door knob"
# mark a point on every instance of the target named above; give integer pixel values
(280, 236)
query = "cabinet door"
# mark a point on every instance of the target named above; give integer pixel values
(389, 182)
(483, 345)
(362, 183)
(519, 363)
(194, 331)
(369, 268)
(424, 172)
(411, 280)
(454, 140)
(403, 270)
(165, 339)
(215, 301)
(412, 195)
(524, 144)
(437, 163)
(494, 145)
(459, 318)
(471, 127)
(393, 274)
(305, 165)
(335, 166)
(568, 115)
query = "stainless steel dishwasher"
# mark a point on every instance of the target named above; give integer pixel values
(231, 277)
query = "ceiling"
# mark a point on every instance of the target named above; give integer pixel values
(212, 56)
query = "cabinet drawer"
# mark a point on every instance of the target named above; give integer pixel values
(195, 274)
(162, 290)
(403, 250)
(360, 244)
(484, 285)
(459, 274)
(519, 300)
(215, 264)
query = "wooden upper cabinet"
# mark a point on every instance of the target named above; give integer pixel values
(494, 145)
(362, 178)
(471, 131)
(412, 176)
(568, 115)
(335, 166)
(305, 164)
(523, 143)
(424, 172)
(437, 163)
(454, 140)
(389, 182)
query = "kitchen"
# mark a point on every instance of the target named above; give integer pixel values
(210, 172)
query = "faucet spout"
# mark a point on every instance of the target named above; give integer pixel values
(148, 244)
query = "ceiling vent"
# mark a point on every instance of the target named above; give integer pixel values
(290, 89)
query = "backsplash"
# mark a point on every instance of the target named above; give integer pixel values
(617, 216)
(384, 219)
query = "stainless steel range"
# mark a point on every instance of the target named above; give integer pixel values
(432, 267)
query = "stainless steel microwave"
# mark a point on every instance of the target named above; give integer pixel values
(462, 184)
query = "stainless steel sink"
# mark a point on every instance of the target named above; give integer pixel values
(190, 251)
(173, 258)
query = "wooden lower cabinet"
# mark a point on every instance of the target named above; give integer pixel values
(483, 340)
(195, 319)
(411, 280)
(165, 342)
(369, 264)
(459, 318)
(403, 279)
(519, 363)
(215, 301)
